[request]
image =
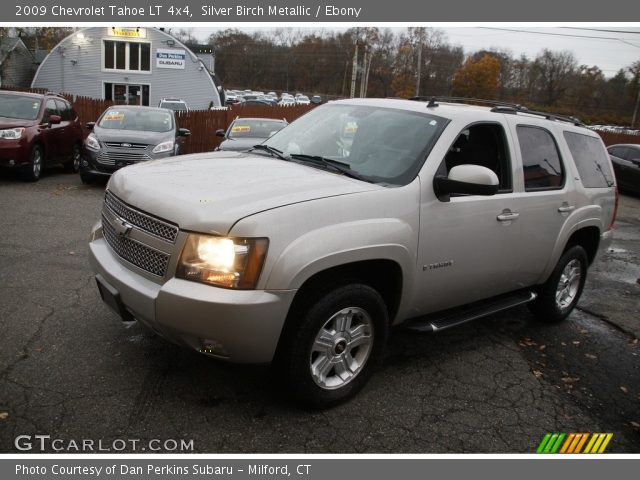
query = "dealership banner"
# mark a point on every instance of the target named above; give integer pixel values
(343, 11)
(170, 58)
(310, 468)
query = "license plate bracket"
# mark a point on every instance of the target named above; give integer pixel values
(111, 297)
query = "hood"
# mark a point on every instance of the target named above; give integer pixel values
(132, 136)
(212, 191)
(6, 122)
(240, 144)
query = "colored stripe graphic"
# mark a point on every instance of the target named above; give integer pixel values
(557, 442)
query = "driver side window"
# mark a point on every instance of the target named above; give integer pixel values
(482, 144)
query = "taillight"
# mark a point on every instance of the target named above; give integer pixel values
(615, 211)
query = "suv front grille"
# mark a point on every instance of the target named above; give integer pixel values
(149, 224)
(134, 252)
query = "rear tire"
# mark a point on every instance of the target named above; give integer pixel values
(73, 165)
(561, 292)
(335, 346)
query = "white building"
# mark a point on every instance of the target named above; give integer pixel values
(128, 65)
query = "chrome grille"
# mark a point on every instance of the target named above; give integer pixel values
(140, 255)
(111, 157)
(149, 224)
(136, 146)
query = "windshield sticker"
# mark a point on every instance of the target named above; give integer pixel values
(114, 116)
(240, 129)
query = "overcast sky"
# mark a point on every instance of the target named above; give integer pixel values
(610, 48)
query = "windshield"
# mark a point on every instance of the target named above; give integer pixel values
(243, 128)
(134, 119)
(382, 144)
(175, 106)
(18, 106)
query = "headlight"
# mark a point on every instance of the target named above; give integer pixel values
(12, 133)
(163, 147)
(92, 143)
(223, 262)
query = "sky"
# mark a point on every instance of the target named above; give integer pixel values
(610, 48)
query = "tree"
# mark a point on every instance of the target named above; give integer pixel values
(477, 79)
(554, 74)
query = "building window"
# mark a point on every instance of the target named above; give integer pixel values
(127, 56)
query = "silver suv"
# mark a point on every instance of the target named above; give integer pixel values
(359, 216)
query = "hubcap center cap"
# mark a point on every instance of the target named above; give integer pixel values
(340, 347)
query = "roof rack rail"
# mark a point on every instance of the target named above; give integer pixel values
(548, 115)
(57, 94)
(433, 99)
(499, 107)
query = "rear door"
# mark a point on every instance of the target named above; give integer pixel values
(65, 131)
(547, 198)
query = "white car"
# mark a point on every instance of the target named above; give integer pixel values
(361, 215)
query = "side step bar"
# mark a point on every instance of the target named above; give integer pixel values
(457, 316)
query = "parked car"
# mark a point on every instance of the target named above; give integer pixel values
(175, 104)
(316, 99)
(125, 135)
(256, 103)
(36, 131)
(304, 253)
(303, 100)
(286, 102)
(626, 164)
(244, 133)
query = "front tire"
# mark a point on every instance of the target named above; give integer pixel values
(339, 340)
(561, 292)
(33, 171)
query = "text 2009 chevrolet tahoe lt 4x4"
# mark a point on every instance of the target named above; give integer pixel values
(360, 215)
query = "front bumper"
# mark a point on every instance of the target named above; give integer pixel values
(89, 163)
(241, 326)
(13, 153)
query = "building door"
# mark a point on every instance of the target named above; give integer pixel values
(125, 94)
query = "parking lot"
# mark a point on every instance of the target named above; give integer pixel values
(70, 369)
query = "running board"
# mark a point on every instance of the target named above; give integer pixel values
(457, 316)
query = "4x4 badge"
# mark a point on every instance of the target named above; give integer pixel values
(122, 228)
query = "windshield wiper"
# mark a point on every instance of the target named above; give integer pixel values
(272, 150)
(334, 165)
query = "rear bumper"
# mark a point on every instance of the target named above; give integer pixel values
(606, 239)
(241, 326)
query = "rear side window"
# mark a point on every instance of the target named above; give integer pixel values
(591, 159)
(540, 159)
(620, 152)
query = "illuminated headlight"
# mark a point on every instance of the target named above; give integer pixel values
(163, 147)
(223, 262)
(91, 142)
(12, 133)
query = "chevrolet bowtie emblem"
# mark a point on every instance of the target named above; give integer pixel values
(122, 228)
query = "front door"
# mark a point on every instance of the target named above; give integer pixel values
(126, 94)
(469, 244)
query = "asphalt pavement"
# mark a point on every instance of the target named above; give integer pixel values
(71, 370)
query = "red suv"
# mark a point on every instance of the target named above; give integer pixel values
(37, 130)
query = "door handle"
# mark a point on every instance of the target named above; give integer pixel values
(507, 216)
(566, 208)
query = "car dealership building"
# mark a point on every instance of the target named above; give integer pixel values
(128, 65)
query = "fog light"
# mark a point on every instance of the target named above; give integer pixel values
(212, 347)
(12, 163)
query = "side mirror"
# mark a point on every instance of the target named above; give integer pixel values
(54, 119)
(90, 125)
(220, 133)
(184, 132)
(467, 180)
